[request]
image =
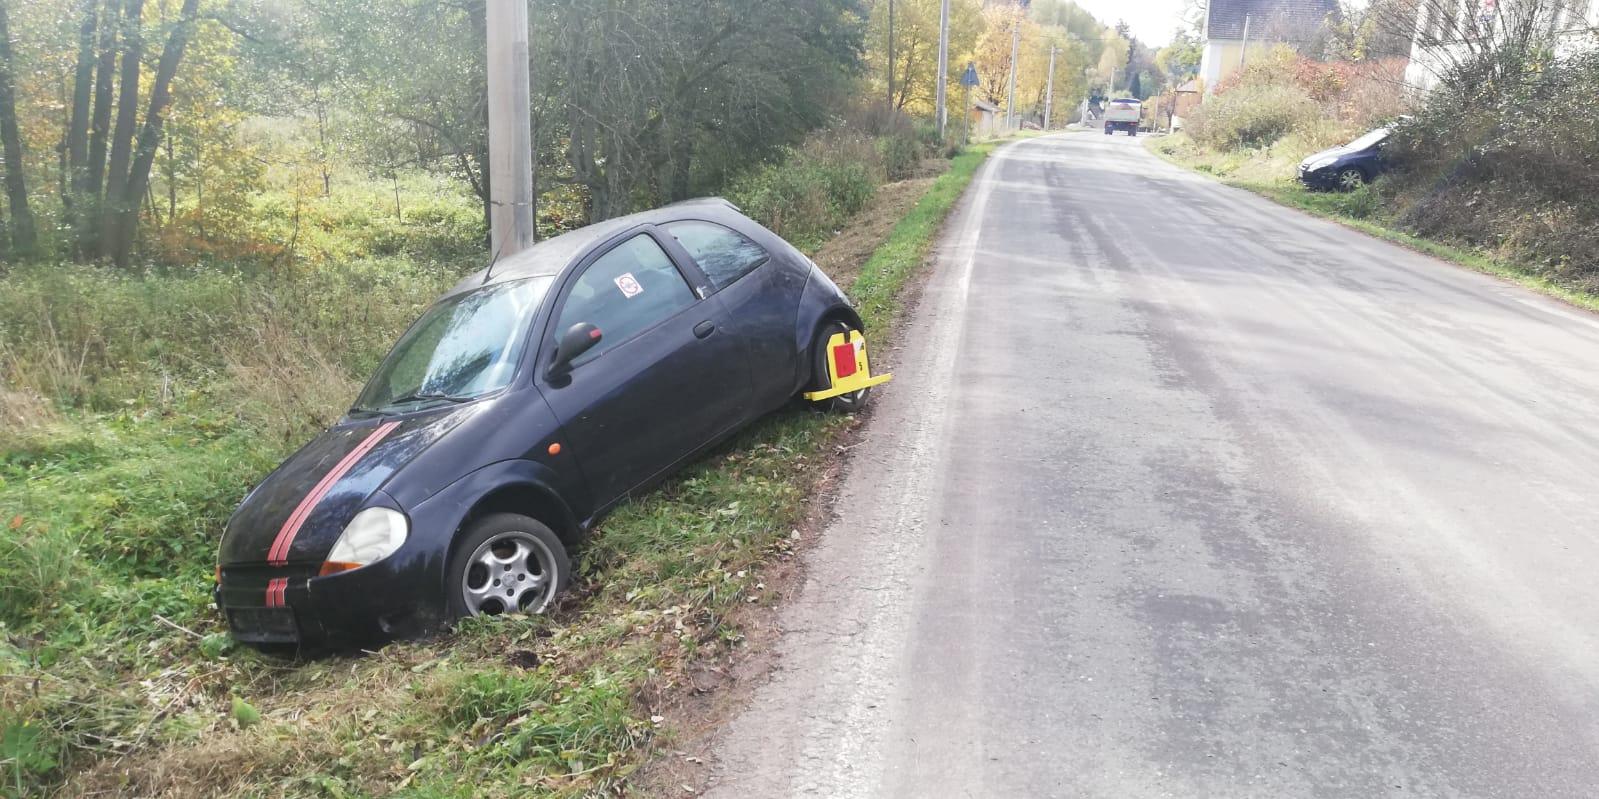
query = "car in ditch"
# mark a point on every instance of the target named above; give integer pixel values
(525, 403)
(1346, 167)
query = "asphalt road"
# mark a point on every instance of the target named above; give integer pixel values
(1180, 493)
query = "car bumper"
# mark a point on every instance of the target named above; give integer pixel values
(293, 605)
(1318, 178)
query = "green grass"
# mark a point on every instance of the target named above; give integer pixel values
(1363, 210)
(116, 676)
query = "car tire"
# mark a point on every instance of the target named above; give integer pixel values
(1132, 133)
(821, 380)
(1349, 179)
(510, 553)
(1109, 130)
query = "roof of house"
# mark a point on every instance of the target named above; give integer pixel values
(986, 105)
(1278, 20)
(1191, 87)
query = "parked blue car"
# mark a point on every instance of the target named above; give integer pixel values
(1346, 167)
(529, 400)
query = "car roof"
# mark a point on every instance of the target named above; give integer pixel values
(552, 256)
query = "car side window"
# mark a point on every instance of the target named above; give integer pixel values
(624, 292)
(722, 253)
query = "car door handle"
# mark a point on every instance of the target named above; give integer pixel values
(704, 329)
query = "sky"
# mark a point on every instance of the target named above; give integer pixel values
(1152, 21)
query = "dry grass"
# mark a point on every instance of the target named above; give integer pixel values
(843, 255)
(22, 409)
(288, 386)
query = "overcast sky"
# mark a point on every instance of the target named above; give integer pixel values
(1152, 21)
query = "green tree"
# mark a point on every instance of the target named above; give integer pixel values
(1179, 60)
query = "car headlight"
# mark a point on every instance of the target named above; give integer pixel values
(1319, 163)
(374, 534)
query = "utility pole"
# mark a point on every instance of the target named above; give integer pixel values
(510, 131)
(1112, 90)
(1243, 52)
(941, 112)
(1010, 104)
(890, 55)
(1049, 90)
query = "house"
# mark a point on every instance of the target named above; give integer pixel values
(1185, 99)
(1449, 31)
(984, 118)
(1231, 25)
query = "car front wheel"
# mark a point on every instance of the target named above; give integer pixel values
(821, 380)
(1350, 178)
(506, 563)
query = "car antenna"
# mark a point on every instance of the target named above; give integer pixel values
(487, 273)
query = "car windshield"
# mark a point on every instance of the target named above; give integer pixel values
(1369, 140)
(463, 347)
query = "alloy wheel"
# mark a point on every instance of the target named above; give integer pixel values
(512, 572)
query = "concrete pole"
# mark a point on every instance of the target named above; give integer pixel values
(510, 130)
(1010, 104)
(941, 113)
(1243, 52)
(1049, 89)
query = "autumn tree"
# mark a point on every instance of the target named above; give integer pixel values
(915, 53)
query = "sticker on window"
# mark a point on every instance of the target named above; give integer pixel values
(629, 285)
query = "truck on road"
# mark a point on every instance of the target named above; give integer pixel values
(1123, 114)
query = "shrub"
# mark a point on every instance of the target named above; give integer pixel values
(814, 189)
(1500, 165)
(1281, 96)
(900, 155)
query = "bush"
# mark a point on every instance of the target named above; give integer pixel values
(815, 188)
(1281, 96)
(1497, 164)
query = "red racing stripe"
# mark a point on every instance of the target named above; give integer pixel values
(279, 554)
(276, 588)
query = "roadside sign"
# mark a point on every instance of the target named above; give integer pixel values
(969, 78)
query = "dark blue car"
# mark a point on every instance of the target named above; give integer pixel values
(525, 403)
(1345, 167)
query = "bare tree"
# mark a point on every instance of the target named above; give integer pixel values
(1497, 41)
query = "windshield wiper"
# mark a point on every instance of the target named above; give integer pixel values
(429, 396)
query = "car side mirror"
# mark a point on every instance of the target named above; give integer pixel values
(577, 339)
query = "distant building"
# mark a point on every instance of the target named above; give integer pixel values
(985, 119)
(1229, 24)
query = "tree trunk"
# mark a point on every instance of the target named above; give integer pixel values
(89, 192)
(116, 181)
(150, 137)
(24, 238)
(78, 123)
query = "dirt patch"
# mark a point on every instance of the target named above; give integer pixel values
(843, 255)
(931, 167)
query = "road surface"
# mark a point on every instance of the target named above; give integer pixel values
(1180, 493)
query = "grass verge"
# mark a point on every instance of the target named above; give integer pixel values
(1260, 172)
(124, 683)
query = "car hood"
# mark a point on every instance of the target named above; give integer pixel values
(1331, 152)
(297, 513)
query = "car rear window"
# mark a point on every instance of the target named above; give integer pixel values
(724, 254)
